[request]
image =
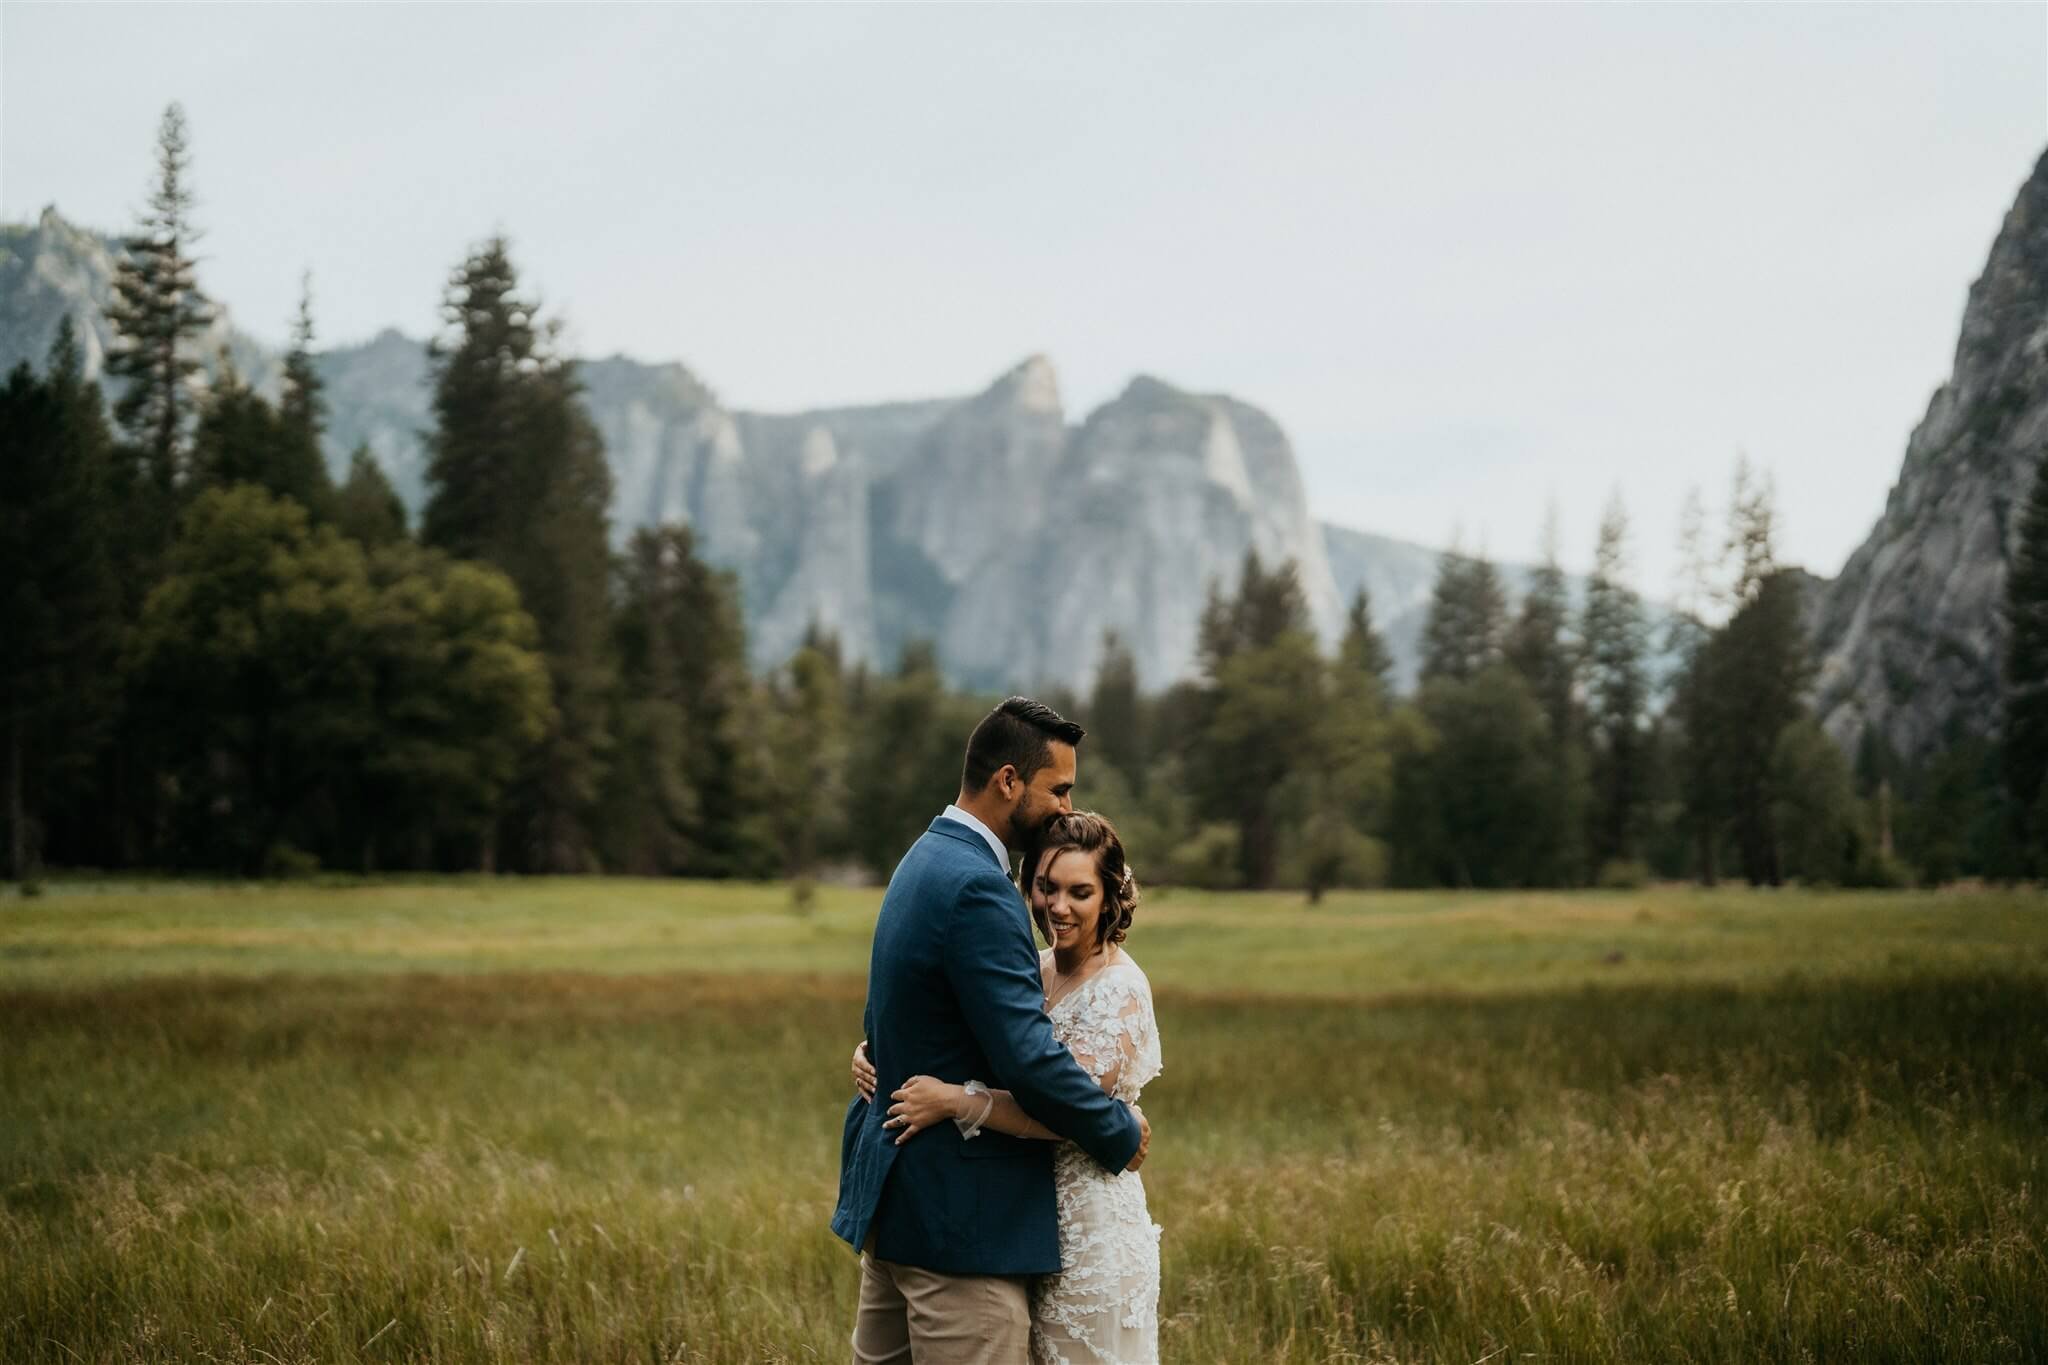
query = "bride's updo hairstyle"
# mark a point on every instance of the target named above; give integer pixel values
(1086, 832)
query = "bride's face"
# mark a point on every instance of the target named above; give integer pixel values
(1068, 895)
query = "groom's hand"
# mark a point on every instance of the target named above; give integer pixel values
(1144, 1138)
(863, 1072)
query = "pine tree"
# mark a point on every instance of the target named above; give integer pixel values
(1268, 719)
(1269, 605)
(237, 439)
(1750, 678)
(157, 312)
(1539, 651)
(517, 478)
(687, 794)
(60, 607)
(2023, 744)
(1363, 651)
(651, 803)
(366, 507)
(1697, 773)
(1265, 607)
(302, 419)
(1340, 790)
(1693, 588)
(810, 761)
(1116, 716)
(1536, 645)
(485, 478)
(304, 406)
(1472, 786)
(1759, 669)
(241, 438)
(1615, 638)
(909, 739)
(1262, 707)
(1752, 533)
(1467, 620)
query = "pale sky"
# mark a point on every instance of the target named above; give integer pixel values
(1470, 258)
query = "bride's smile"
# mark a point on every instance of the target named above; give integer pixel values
(1068, 897)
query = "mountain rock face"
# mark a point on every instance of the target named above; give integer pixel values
(985, 524)
(1159, 494)
(1910, 634)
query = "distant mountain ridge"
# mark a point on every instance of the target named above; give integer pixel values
(991, 524)
(938, 519)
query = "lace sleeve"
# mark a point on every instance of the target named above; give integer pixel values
(1117, 1039)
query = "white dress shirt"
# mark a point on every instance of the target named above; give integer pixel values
(995, 845)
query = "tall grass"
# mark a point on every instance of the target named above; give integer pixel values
(1602, 1164)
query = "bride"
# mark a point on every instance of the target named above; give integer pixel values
(1102, 1305)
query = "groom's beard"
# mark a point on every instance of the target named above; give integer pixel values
(1029, 824)
(1018, 838)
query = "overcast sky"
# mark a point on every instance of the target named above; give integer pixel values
(1471, 258)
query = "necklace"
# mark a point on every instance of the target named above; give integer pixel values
(1055, 995)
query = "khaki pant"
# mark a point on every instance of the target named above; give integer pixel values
(909, 1316)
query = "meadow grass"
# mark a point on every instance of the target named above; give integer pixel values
(1353, 943)
(597, 1121)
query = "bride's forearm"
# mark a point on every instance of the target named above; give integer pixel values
(1008, 1116)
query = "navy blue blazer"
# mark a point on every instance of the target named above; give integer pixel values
(954, 992)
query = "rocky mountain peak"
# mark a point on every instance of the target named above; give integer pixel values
(1167, 432)
(1032, 385)
(47, 272)
(1146, 390)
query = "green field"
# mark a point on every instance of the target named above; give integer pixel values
(597, 1121)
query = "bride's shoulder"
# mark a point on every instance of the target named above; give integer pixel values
(1136, 974)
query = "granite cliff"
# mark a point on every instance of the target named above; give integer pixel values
(1909, 634)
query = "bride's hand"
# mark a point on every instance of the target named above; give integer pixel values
(863, 1071)
(921, 1103)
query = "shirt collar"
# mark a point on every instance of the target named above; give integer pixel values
(995, 845)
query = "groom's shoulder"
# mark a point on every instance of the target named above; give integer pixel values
(942, 859)
(944, 874)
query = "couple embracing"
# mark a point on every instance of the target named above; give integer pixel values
(993, 1190)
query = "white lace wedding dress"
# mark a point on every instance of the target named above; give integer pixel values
(1103, 1305)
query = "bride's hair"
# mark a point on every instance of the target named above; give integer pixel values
(1086, 832)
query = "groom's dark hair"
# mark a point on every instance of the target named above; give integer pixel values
(1020, 733)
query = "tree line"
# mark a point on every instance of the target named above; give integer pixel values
(222, 659)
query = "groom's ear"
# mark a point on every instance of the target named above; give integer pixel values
(1007, 782)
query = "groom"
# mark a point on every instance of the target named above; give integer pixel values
(950, 1228)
